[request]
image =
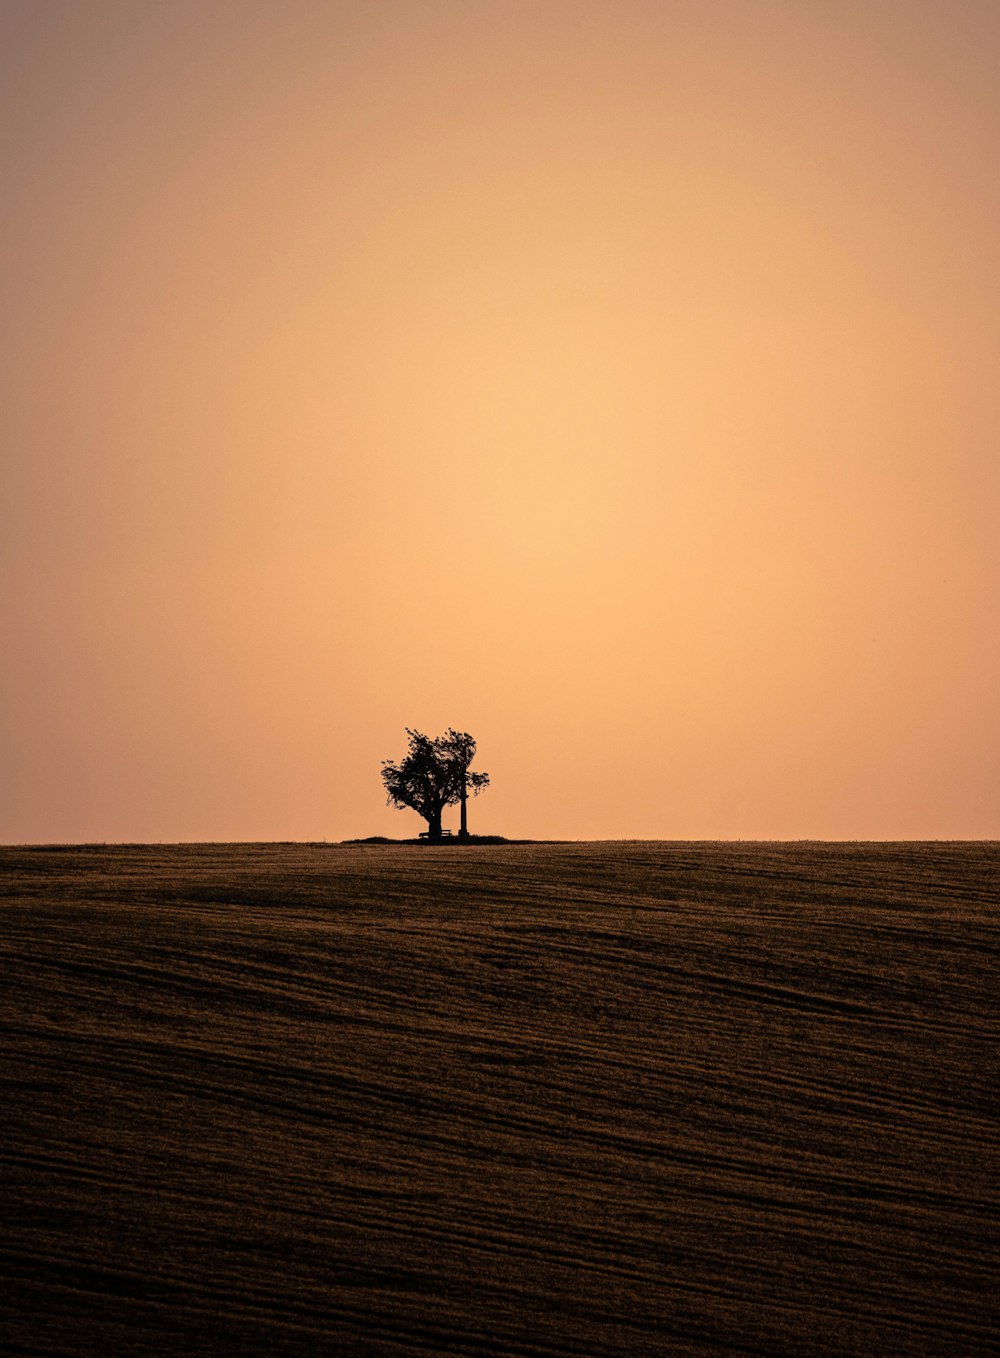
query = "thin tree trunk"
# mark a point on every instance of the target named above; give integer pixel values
(463, 831)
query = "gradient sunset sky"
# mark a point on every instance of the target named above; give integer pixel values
(619, 382)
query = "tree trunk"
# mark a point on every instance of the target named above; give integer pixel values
(463, 830)
(434, 824)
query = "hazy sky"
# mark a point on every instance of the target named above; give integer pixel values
(618, 381)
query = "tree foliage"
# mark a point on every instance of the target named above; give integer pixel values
(434, 773)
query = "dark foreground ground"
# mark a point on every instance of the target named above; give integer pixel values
(549, 1100)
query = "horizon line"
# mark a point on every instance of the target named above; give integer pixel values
(498, 841)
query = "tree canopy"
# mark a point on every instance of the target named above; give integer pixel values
(434, 773)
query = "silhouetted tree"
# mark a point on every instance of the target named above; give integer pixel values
(461, 750)
(433, 774)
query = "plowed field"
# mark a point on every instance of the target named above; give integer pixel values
(570, 1099)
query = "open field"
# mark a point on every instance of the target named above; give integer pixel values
(587, 1099)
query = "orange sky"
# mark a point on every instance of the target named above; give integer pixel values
(617, 382)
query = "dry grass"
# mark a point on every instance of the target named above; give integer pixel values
(525, 1099)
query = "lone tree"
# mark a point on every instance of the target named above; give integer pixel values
(433, 774)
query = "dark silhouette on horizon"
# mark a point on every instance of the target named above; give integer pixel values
(434, 773)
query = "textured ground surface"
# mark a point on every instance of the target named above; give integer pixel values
(540, 1100)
